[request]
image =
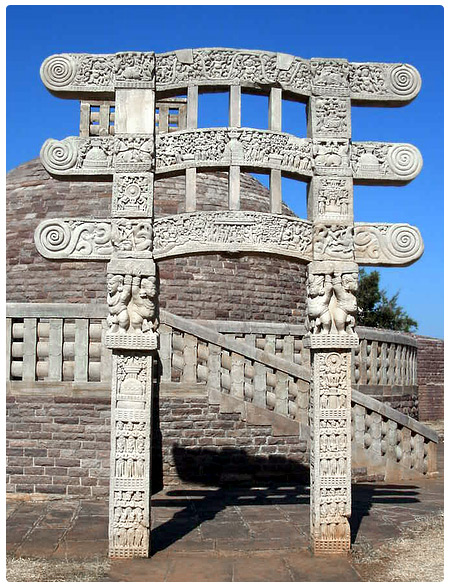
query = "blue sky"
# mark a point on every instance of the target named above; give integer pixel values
(411, 34)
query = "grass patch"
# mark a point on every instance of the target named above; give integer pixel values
(416, 556)
(27, 569)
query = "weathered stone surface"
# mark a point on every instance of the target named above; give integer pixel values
(327, 153)
(229, 232)
(384, 82)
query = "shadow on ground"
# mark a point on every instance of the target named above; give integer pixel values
(242, 480)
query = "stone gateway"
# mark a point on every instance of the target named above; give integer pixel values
(133, 242)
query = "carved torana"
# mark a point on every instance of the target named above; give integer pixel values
(132, 241)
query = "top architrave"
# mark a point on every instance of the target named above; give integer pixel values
(69, 74)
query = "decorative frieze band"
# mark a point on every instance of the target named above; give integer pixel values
(228, 146)
(381, 82)
(232, 231)
(374, 244)
(224, 147)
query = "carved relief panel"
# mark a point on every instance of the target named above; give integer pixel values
(331, 439)
(132, 195)
(331, 303)
(131, 299)
(330, 199)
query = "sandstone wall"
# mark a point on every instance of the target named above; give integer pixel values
(59, 444)
(430, 372)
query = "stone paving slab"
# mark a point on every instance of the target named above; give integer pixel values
(210, 534)
(266, 566)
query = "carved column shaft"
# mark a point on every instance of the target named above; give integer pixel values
(129, 523)
(132, 293)
(332, 280)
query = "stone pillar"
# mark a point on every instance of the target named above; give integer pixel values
(132, 301)
(332, 281)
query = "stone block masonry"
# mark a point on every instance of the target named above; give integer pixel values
(430, 376)
(60, 444)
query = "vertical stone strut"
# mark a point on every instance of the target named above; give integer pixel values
(332, 281)
(132, 292)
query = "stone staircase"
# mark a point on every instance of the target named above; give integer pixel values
(267, 389)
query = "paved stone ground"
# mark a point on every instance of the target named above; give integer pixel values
(245, 534)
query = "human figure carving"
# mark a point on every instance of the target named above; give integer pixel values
(320, 291)
(119, 295)
(343, 312)
(142, 307)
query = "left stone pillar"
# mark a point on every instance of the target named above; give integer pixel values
(132, 301)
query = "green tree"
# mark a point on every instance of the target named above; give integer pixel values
(376, 309)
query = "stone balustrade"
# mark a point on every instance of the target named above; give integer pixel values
(263, 364)
(389, 443)
(63, 343)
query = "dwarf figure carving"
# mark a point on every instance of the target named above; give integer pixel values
(320, 291)
(142, 307)
(332, 302)
(118, 297)
(346, 306)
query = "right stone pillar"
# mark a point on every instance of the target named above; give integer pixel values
(332, 282)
